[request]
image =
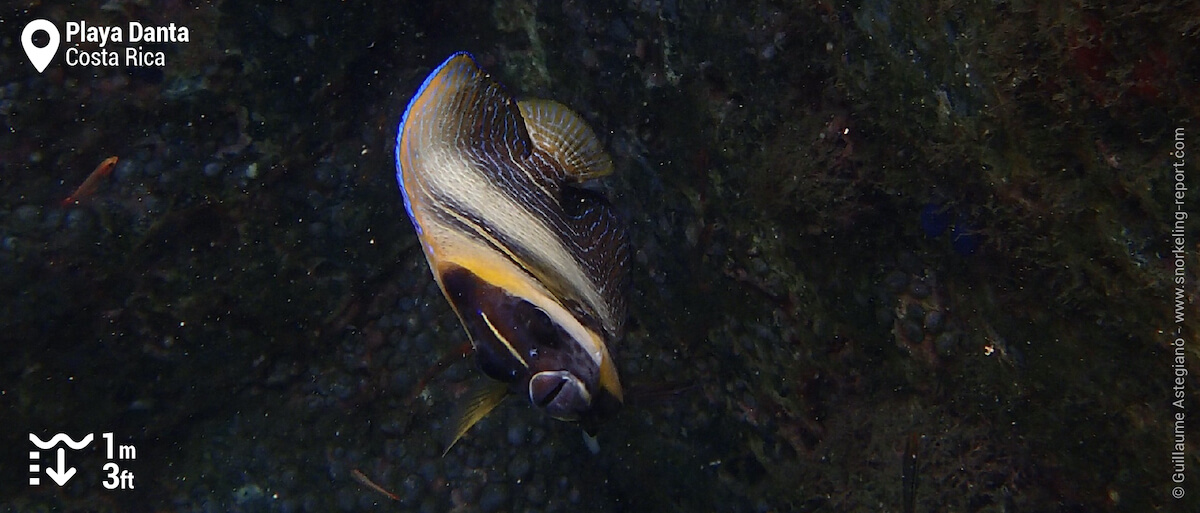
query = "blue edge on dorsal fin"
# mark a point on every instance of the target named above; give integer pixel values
(404, 118)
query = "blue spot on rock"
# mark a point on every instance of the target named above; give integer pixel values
(937, 218)
(964, 239)
(934, 220)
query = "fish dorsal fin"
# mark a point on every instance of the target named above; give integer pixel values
(560, 132)
(483, 397)
(472, 110)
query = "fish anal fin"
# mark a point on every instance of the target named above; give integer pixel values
(560, 132)
(483, 397)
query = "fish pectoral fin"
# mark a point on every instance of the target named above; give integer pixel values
(560, 132)
(483, 397)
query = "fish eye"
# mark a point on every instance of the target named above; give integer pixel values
(538, 327)
(560, 394)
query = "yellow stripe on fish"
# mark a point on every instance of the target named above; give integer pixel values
(534, 263)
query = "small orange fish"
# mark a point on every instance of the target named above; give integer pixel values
(91, 183)
(366, 481)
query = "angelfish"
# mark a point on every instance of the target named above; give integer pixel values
(532, 258)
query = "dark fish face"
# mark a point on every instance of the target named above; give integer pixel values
(538, 347)
(533, 262)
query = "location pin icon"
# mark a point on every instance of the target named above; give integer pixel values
(40, 57)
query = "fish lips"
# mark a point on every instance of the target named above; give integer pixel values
(563, 396)
(560, 393)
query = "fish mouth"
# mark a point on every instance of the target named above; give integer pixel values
(560, 394)
(545, 387)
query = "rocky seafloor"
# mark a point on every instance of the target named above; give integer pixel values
(886, 258)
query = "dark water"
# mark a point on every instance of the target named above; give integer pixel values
(887, 257)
